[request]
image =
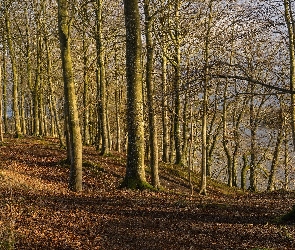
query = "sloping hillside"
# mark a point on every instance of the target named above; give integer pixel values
(37, 211)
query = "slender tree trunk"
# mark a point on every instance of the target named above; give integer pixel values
(153, 134)
(86, 137)
(191, 152)
(165, 146)
(1, 107)
(4, 93)
(118, 108)
(135, 172)
(274, 162)
(22, 113)
(290, 26)
(184, 129)
(230, 161)
(75, 138)
(105, 147)
(52, 121)
(15, 75)
(225, 139)
(244, 172)
(36, 92)
(253, 177)
(28, 60)
(286, 163)
(205, 105)
(177, 81)
(41, 106)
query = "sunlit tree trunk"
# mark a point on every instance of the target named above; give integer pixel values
(118, 108)
(165, 131)
(185, 128)
(176, 87)
(135, 172)
(153, 134)
(290, 26)
(28, 60)
(36, 88)
(14, 73)
(86, 136)
(75, 138)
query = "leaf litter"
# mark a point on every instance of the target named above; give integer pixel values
(39, 211)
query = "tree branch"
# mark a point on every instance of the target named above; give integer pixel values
(254, 81)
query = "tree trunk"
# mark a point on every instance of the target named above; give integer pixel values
(165, 146)
(205, 105)
(75, 138)
(245, 168)
(274, 162)
(177, 80)
(1, 106)
(153, 134)
(15, 76)
(4, 93)
(286, 163)
(86, 138)
(102, 104)
(135, 172)
(118, 108)
(253, 178)
(290, 26)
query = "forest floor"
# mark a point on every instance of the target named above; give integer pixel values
(37, 211)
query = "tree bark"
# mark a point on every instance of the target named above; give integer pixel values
(274, 162)
(15, 75)
(102, 103)
(153, 134)
(75, 138)
(165, 146)
(205, 105)
(290, 26)
(135, 172)
(177, 38)
(1, 106)
(86, 136)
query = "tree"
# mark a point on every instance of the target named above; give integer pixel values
(101, 81)
(291, 36)
(153, 134)
(71, 112)
(135, 172)
(14, 72)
